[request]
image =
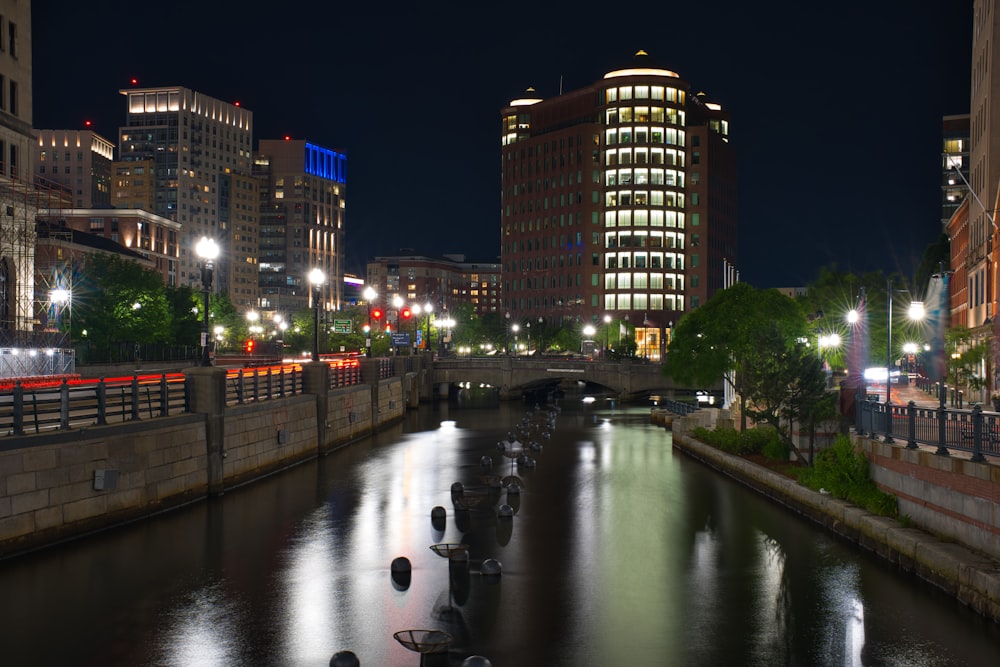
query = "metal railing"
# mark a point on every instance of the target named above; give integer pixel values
(344, 375)
(384, 368)
(677, 407)
(75, 403)
(263, 384)
(941, 427)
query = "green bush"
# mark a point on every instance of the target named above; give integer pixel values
(741, 443)
(776, 449)
(843, 471)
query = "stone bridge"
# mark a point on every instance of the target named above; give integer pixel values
(628, 378)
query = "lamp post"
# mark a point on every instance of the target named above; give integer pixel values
(515, 328)
(607, 334)
(428, 309)
(370, 296)
(527, 329)
(397, 303)
(506, 334)
(316, 279)
(60, 298)
(207, 250)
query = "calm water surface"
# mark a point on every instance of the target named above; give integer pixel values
(620, 553)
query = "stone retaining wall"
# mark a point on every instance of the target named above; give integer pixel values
(62, 484)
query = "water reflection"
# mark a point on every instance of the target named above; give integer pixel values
(617, 551)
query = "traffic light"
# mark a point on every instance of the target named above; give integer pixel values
(248, 345)
(376, 314)
(405, 313)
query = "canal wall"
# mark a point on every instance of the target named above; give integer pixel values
(933, 491)
(62, 484)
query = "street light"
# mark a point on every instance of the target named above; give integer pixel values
(428, 309)
(515, 328)
(60, 298)
(370, 296)
(506, 334)
(316, 279)
(207, 250)
(397, 303)
(607, 333)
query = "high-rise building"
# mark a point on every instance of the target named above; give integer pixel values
(79, 161)
(601, 191)
(302, 203)
(132, 184)
(954, 154)
(199, 147)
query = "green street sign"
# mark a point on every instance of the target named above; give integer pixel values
(342, 326)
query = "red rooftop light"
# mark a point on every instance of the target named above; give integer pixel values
(236, 103)
(288, 137)
(87, 123)
(135, 81)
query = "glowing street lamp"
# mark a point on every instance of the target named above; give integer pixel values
(316, 279)
(370, 295)
(207, 250)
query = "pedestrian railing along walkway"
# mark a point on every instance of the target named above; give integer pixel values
(70, 402)
(940, 427)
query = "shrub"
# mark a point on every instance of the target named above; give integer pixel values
(776, 450)
(742, 443)
(843, 471)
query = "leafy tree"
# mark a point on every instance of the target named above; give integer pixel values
(117, 300)
(734, 336)
(966, 355)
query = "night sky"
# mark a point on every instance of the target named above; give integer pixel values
(836, 109)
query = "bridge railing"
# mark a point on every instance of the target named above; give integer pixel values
(263, 383)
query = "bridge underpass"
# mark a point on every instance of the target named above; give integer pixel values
(627, 379)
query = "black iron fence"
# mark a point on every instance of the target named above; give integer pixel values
(941, 427)
(122, 353)
(263, 384)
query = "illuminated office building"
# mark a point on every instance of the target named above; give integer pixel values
(618, 199)
(201, 154)
(302, 205)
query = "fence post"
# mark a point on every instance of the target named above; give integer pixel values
(164, 396)
(888, 416)
(911, 418)
(977, 428)
(135, 398)
(102, 402)
(64, 405)
(256, 385)
(942, 450)
(239, 387)
(281, 381)
(18, 408)
(269, 374)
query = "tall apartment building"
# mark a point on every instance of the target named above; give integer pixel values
(199, 148)
(597, 192)
(78, 161)
(302, 204)
(954, 153)
(444, 282)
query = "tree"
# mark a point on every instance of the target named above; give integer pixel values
(966, 355)
(117, 300)
(733, 337)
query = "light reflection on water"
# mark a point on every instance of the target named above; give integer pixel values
(620, 552)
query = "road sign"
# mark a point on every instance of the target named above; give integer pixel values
(400, 339)
(342, 326)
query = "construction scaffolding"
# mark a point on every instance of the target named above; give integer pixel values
(24, 351)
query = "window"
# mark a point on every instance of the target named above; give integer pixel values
(12, 100)
(12, 38)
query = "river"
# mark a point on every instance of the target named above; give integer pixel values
(619, 552)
